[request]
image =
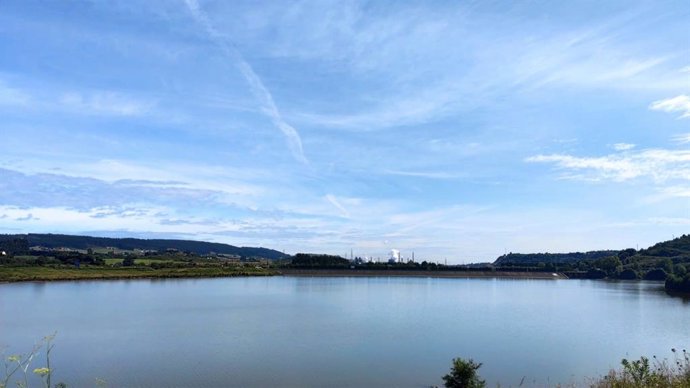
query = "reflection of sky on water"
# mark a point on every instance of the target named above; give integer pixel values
(373, 331)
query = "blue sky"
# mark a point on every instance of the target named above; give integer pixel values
(457, 130)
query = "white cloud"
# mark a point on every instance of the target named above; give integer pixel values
(667, 193)
(680, 104)
(672, 221)
(231, 185)
(27, 217)
(12, 96)
(143, 219)
(104, 103)
(84, 102)
(676, 191)
(623, 146)
(682, 139)
(424, 174)
(660, 165)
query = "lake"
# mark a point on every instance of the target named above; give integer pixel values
(363, 332)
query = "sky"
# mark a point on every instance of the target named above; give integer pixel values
(457, 130)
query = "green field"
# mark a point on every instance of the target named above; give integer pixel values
(18, 274)
(139, 261)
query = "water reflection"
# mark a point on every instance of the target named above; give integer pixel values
(370, 331)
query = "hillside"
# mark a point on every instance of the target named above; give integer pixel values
(678, 250)
(668, 260)
(678, 247)
(530, 259)
(86, 242)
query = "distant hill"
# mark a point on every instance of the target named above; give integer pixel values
(677, 249)
(550, 258)
(86, 242)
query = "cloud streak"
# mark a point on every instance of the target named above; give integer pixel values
(623, 146)
(679, 104)
(268, 106)
(11, 96)
(682, 139)
(104, 103)
(660, 165)
(424, 174)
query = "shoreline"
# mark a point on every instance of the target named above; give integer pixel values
(46, 274)
(413, 273)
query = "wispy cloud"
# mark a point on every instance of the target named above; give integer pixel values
(90, 103)
(660, 165)
(424, 174)
(12, 96)
(623, 146)
(676, 191)
(28, 217)
(89, 188)
(104, 103)
(423, 89)
(682, 139)
(672, 221)
(679, 104)
(260, 91)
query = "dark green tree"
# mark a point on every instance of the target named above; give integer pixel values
(608, 264)
(656, 274)
(463, 374)
(628, 274)
(666, 265)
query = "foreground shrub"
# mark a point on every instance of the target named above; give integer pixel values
(463, 374)
(641, 373)
(18, 366)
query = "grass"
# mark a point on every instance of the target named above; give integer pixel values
(18, 274)
(642, 373)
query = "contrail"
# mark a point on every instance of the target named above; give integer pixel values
(268, 106)
(331, 198)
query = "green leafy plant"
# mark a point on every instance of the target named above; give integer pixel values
(463, 374)
(17, 366)
(642, 373)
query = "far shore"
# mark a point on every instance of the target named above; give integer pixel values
(33, 274)
(411, 273)
(28, 274)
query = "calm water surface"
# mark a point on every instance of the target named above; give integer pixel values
(289, 331)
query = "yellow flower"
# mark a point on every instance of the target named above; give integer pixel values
(13, 358)
(41, 371)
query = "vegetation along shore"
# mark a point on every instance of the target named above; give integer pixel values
(18, 274)
(46, 257)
